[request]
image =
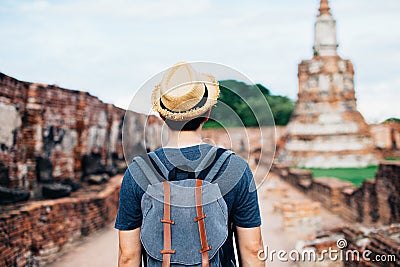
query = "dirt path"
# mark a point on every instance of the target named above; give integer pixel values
(275, 236)
(101, 249)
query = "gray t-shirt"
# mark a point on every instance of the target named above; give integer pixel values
(236, 184)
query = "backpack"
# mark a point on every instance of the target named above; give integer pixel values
(185, 222)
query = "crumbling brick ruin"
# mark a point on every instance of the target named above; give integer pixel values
(379, 245)
(320, 243)
(53, 142)
(386, 137)
(375, 201)
(382, 241)
(36, 232)
(326, 130)
(255, 144)
(53, 138)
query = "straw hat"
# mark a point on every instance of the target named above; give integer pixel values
(184, 94)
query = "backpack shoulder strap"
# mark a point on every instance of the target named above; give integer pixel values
(217, 165)
(159, 164)
(211, 154)
(148, 171)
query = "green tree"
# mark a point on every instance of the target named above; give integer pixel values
(240, 103)
(392, 120)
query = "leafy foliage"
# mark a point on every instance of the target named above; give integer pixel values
(246, 105)
(393, 120)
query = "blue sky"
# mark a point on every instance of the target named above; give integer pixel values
(110, 48)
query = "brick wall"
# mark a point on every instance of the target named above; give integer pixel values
(328, 191)
(47, 132)
(375, 201)
(386, 135)
(381, 241)
(376, 246)
(13, 95)
(33, 234)
(388, 191)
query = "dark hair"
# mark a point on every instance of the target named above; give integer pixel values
(187, 125)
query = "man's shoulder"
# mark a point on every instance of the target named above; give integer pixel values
(237, 161)
(133, 164)
(234, 168)
(133, 167)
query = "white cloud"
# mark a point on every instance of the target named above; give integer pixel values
(117, 9)
(381, 100)
(111, 47)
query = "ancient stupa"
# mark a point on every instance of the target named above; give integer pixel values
(326, 130)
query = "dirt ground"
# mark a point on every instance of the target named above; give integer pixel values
(101, 249)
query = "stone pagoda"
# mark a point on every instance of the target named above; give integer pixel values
(326, 130)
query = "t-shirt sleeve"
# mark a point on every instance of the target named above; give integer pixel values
(129, 216)
(246, 209)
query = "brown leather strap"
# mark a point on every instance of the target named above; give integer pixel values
(167, 251)
(200, 221)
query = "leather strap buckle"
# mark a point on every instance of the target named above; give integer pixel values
(205, 249)
(167, 221)
(168, 251)
(201, 217)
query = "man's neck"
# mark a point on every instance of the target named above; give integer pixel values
(179, 139)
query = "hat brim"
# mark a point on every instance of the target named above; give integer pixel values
(213, 93)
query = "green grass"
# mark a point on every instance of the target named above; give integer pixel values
(354, 175)
(393, 158)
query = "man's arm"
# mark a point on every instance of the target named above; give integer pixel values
(250, 243)
(130, 248)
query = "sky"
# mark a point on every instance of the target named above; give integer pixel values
(111, 47)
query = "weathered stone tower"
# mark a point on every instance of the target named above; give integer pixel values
(326, 130)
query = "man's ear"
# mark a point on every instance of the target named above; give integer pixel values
(207, 115)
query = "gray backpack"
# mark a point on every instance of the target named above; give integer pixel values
(185, 222)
